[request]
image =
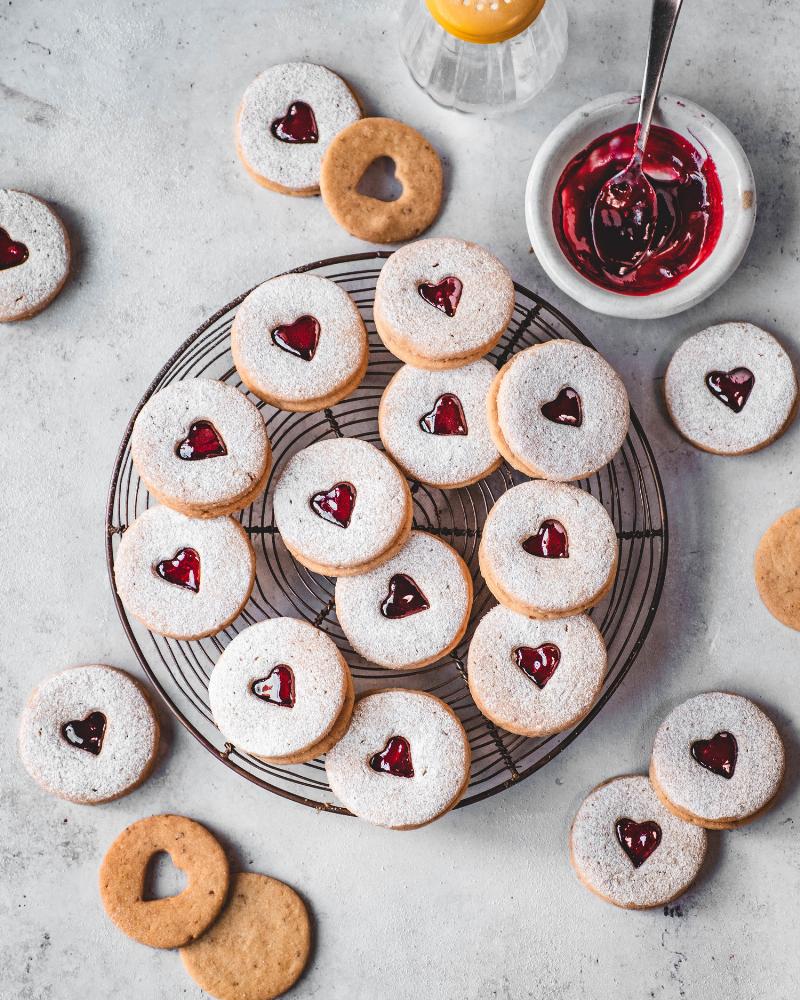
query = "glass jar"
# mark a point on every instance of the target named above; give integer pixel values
(483, 56)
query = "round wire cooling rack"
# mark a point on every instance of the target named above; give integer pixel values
(629, 488)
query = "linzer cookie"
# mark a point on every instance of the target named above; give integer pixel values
(534, 677)
(34, 255)
(731, 389)
(403, 762)
(89, 734)
(411, 610)
(201, 447)
(441, 303)
(717, 760)
(631, 851)
(184, 577)
(548, 550)
(281, 691)
(299, 342)
(288, 117)
(433, 424)
(777, 559)
(342, 507)
(558, 411)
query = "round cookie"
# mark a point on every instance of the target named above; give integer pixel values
(535, 678)
(403, 762)
(342, 507)
(89, 734)
(278, 690)
(548, 550)
(433, 424)
(441, 303)
(201, 447)
(717, 761)
(34, 255)
(183, 577)
(558, 411)
(258, 948)
(175, 920)
(777, 558)
(411, 610)
(299, 342)
(417, 167)
(288, 117)
(731, 389)
(631, 851)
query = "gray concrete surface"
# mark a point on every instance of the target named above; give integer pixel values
(121, 115)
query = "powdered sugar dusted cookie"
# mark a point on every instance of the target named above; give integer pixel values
(201, 447)
(287, 118)
(441, 303)
(558, 410)
(403, 762)
(299, 342)
(434, 425)
(534, 677)
(34, 255)
(731, 389)
(279, 689)
(631, 851)
(548, 550)
(411, 610)
(89, 734)
(342, 507)
(184, 577)
(717, 760)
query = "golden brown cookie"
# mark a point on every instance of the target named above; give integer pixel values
(259, 946)
(175, 920)
(777, 568)
(417, 167)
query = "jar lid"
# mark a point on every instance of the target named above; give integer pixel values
(485, 21)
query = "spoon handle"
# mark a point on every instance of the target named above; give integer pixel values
(662, 27)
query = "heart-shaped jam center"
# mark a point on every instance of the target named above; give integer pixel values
(565, 408)
(277, 687)
(12, 252)
(717, 754)
(202, 441)
(394, 759)
(538, 662)
(445, 294)
(299, 338)
(733, 388)
(86, 734)
(638, 840)
(549, 542)
(336, 505)
(404, 598)
(297, 125)
(446, 418)
(183, 569)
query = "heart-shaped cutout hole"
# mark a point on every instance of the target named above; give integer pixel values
(638, 840)
(395, 758)
(86, 734)
(538, 662)
(202, 441)
(336, 504)
(298, 125)
(12, 252)
(183, 569)
(379, 181)
(446, 418)
(565, 408)
(299, 338)
(718, 754)
(444, 295)
(277, 688)
(549, 542)
(404, 598)
(162, 878)
(732, 388)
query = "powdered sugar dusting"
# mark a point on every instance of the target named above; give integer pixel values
(320, 679)
(292, 165)
(441, 460)
(27, 286)
(439, 753)
(273, 372)
(535, 377)
(226, 572)
(695, 789)
(601, 862)
(129, 742)
(707, 421)
(439, 572)
(483, 312)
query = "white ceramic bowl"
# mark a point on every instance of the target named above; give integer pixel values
(701, 129)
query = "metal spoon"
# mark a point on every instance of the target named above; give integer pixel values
(624, 215)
